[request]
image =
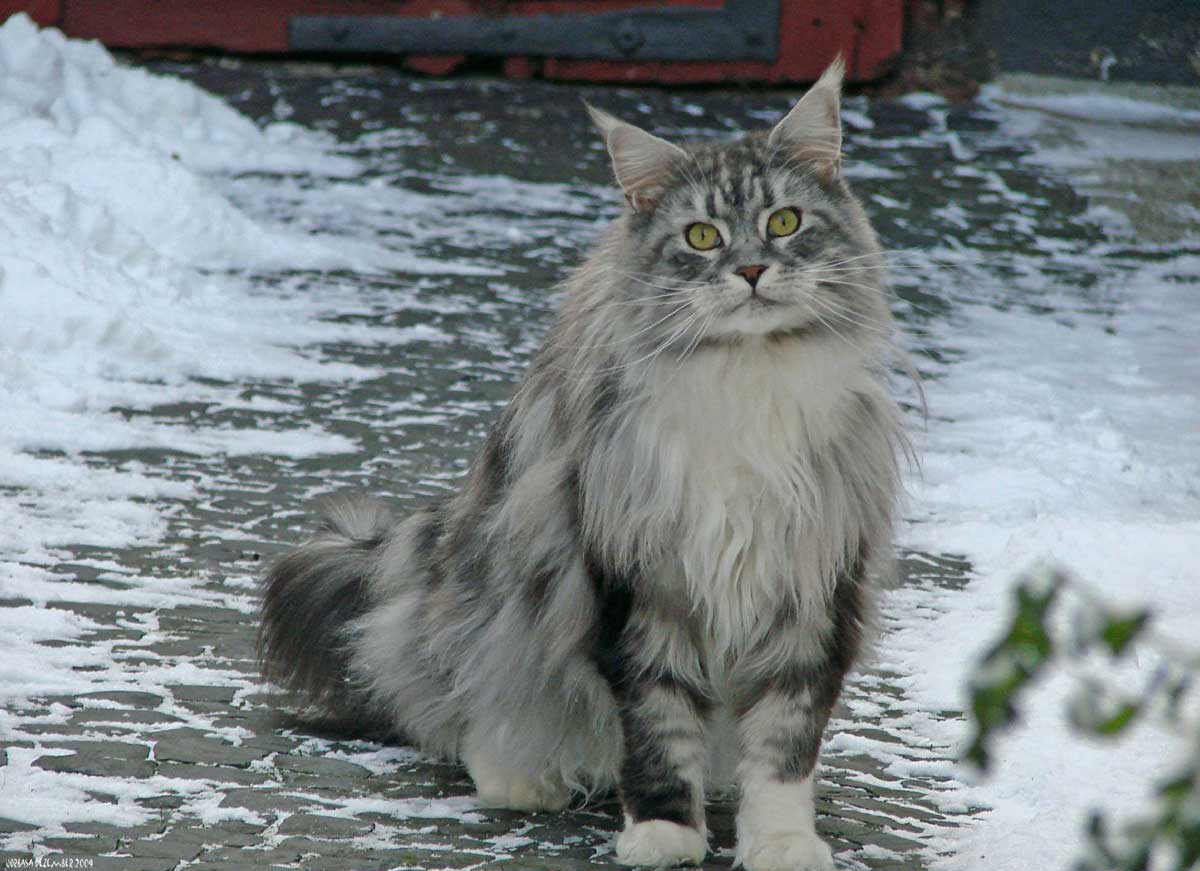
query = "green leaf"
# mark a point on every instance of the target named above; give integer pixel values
(1012, 662)
(1119, 721)
(1028, 635)
(1097, 711)
(1177, 691)
(1187, 844)
(1097, 833)
(977, 752)
(1120, 632)
(1180, 787)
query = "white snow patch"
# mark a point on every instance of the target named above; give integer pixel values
(51, 799)
(922, 100)
(1073, 437)
(1088, 128)
(1108, 108)
(78, 88)
(123, 277)
(460, 808)
(379, 760)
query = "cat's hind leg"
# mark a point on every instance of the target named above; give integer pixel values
(500, 785)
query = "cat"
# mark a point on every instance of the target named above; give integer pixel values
(667, 550)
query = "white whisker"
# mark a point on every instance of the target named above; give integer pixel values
(626, 339)
(849, 317)
(837, 332)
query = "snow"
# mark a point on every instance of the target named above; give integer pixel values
(457, 808)
(126, 271)
(52, 798)
(922, 100)
(1072, 440)
(1094, 127)
(1108, 108)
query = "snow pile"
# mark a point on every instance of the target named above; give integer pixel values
(101, 218)
(1072, 438)
(78, 88)
(80, 133)
(111, 294)
(1084, 128)
(1066, 444)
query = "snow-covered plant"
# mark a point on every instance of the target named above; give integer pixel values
(1059, 623)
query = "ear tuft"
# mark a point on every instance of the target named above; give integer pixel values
(812, 131)
(641, 161)
(603, 121)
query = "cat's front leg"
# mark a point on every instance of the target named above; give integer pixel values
(776, 822)
(782, 712)
(662, 788)
(653, 671)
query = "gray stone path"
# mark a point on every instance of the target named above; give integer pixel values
(220, 777)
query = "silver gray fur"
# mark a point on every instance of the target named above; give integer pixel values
(690, 498)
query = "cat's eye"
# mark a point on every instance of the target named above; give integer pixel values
(783, 222)
(702, 237)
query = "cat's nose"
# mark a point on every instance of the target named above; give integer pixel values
(751, 273)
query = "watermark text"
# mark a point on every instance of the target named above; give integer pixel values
(50, 862)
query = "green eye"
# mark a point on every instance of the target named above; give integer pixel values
(702, 237)
(783, 222)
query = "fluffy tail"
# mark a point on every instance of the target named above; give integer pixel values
(310, 598)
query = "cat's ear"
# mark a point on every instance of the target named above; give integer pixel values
(812, 131)
(640, 160)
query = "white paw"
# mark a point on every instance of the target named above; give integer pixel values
(519, 792)
(785, 852)
(660, 844)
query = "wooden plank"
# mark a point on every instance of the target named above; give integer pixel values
(47, 13)
(868, 33)
(249, 26)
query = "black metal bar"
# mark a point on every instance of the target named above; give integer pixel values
(742, 30)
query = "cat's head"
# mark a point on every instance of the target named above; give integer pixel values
(760, 236)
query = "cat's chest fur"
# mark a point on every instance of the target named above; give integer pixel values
(762, 513)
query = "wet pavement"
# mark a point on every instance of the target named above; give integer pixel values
(180, 758)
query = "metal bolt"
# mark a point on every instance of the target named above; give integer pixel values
(627, 37)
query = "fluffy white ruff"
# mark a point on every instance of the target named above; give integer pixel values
(500, 787)
(660, 844)
(776, 829)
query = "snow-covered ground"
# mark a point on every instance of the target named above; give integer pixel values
(1069, 438)
(121, 281)
(159, 249)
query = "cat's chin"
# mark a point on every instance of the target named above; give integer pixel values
(774, 321)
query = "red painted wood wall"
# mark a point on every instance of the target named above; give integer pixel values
(867, 32)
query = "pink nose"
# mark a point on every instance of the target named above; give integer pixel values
(751, 273)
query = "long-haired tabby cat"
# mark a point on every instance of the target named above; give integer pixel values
(667, 545)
